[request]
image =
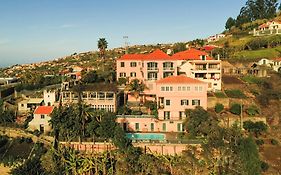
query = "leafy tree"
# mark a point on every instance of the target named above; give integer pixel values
(229, 23)
(198, 122)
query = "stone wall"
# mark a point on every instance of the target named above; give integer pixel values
(212, 101)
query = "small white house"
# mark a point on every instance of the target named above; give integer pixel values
(41, 117)
(49, 97)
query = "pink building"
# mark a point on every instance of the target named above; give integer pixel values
(157, 65)
(176, 83)
(174, 95)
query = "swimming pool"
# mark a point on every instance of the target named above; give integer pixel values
(146, 136)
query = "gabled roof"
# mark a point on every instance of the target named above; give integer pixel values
(44, 110)
(191, 54)
(180, 79)
(155, 55)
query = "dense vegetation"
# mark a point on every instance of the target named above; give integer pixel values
(252, 11)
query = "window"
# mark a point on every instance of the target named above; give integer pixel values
(183, 88)
(152, 76)
(42, 116)
(152, 66)
(162, 88)
(122, 64)
(133, 74)
(101, 95)
(167, 115)
(196, 88)
(167, 74)
(22, 105)
(184, 102)
(122, 74)
(133, 64)
(168, 102)
(137, 126)
(168, 66)
(203, 57)
(179, 126)
(181, 115)
(187, 88)
(179, 88)
(164, 127)
(200, 88)
(151, 126)
(195, 102)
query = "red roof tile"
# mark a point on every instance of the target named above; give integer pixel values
(180, 79)
(155, 55)
(277, 59)
(191, 54)
(44, 110)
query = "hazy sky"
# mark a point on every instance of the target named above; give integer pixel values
(35, 30)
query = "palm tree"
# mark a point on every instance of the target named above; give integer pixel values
(135, 87)
(102, 45)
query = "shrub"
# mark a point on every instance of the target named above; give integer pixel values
(236, 109)
(274, 142)
(259, 142)
(252, 110)
(255, 127)
(264, 166)
(219, 107)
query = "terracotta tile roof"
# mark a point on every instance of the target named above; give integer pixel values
(155, 55)
(44, 110)
(180, 79)
(277, 59)
(191, 54)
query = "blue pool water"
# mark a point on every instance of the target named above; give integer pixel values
(146, 136)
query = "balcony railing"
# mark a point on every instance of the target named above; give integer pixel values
(152, 68)
(168, 68)
(136, 116)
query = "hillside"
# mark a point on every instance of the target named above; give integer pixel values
(240, 45)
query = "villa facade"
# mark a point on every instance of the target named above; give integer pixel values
(98, 96)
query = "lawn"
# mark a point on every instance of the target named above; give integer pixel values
(255, 55)
(220, 95)
(235, 93)
(252, 79)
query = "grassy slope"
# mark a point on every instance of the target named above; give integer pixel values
(257, 54)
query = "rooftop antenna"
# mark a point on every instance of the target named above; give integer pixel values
(126, 43)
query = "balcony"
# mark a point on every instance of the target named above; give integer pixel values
(168, 69)
(152, 68)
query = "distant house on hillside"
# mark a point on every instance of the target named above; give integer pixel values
(215, 37)
(275, 64)
(269, 28)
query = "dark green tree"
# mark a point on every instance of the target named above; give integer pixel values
(229, 23)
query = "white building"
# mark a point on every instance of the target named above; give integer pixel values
(41, 117)
(49, 97)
